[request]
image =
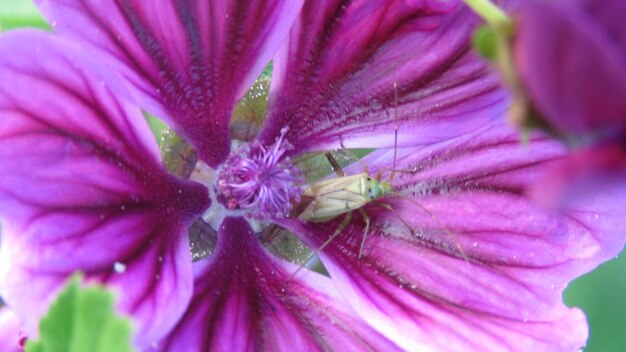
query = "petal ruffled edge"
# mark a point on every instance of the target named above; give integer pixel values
(470, 262)
(11, 336)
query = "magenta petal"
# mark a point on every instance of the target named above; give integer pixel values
(82, 189)
(478, 266)
(334, 79)
(11, 335)
(582, 174)
(244, 300)
(186, 61)
(571, 57)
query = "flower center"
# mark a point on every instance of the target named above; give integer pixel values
(261, 179)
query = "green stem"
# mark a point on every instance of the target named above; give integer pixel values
(491, 13)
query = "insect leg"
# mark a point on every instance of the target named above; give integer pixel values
(395, 126)
(334, 164)
(338, 231)
(392, 210)
(393, 172)
(367, 228)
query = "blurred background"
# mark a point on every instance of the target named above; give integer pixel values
(601, 293)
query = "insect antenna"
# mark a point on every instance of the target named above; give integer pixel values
(395, 127)
(338, 231)
(406, 171)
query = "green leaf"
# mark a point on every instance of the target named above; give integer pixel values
(485, 41)
(267, 71)
(83, 319)
(20, 13)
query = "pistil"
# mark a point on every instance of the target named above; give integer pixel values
(261, 179)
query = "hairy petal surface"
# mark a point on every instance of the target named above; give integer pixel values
(82, 188)
(186, 61)
(335, 78)
(245, 300)
(465, 260)
(571, 58)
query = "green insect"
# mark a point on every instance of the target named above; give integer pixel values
(328, 199)
(340, 195)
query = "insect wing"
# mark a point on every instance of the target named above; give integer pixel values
(329, 207)
(334, 197)
(333, 185)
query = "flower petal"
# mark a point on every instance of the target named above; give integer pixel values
(244, 300)
(584, 172)
(10, 331)
(334, 79)
(465, 260)
(82, 189)
(186, 61)
(572, 62)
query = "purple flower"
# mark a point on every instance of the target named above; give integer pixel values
(460, 260)
(571, 59)
(83, 189)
